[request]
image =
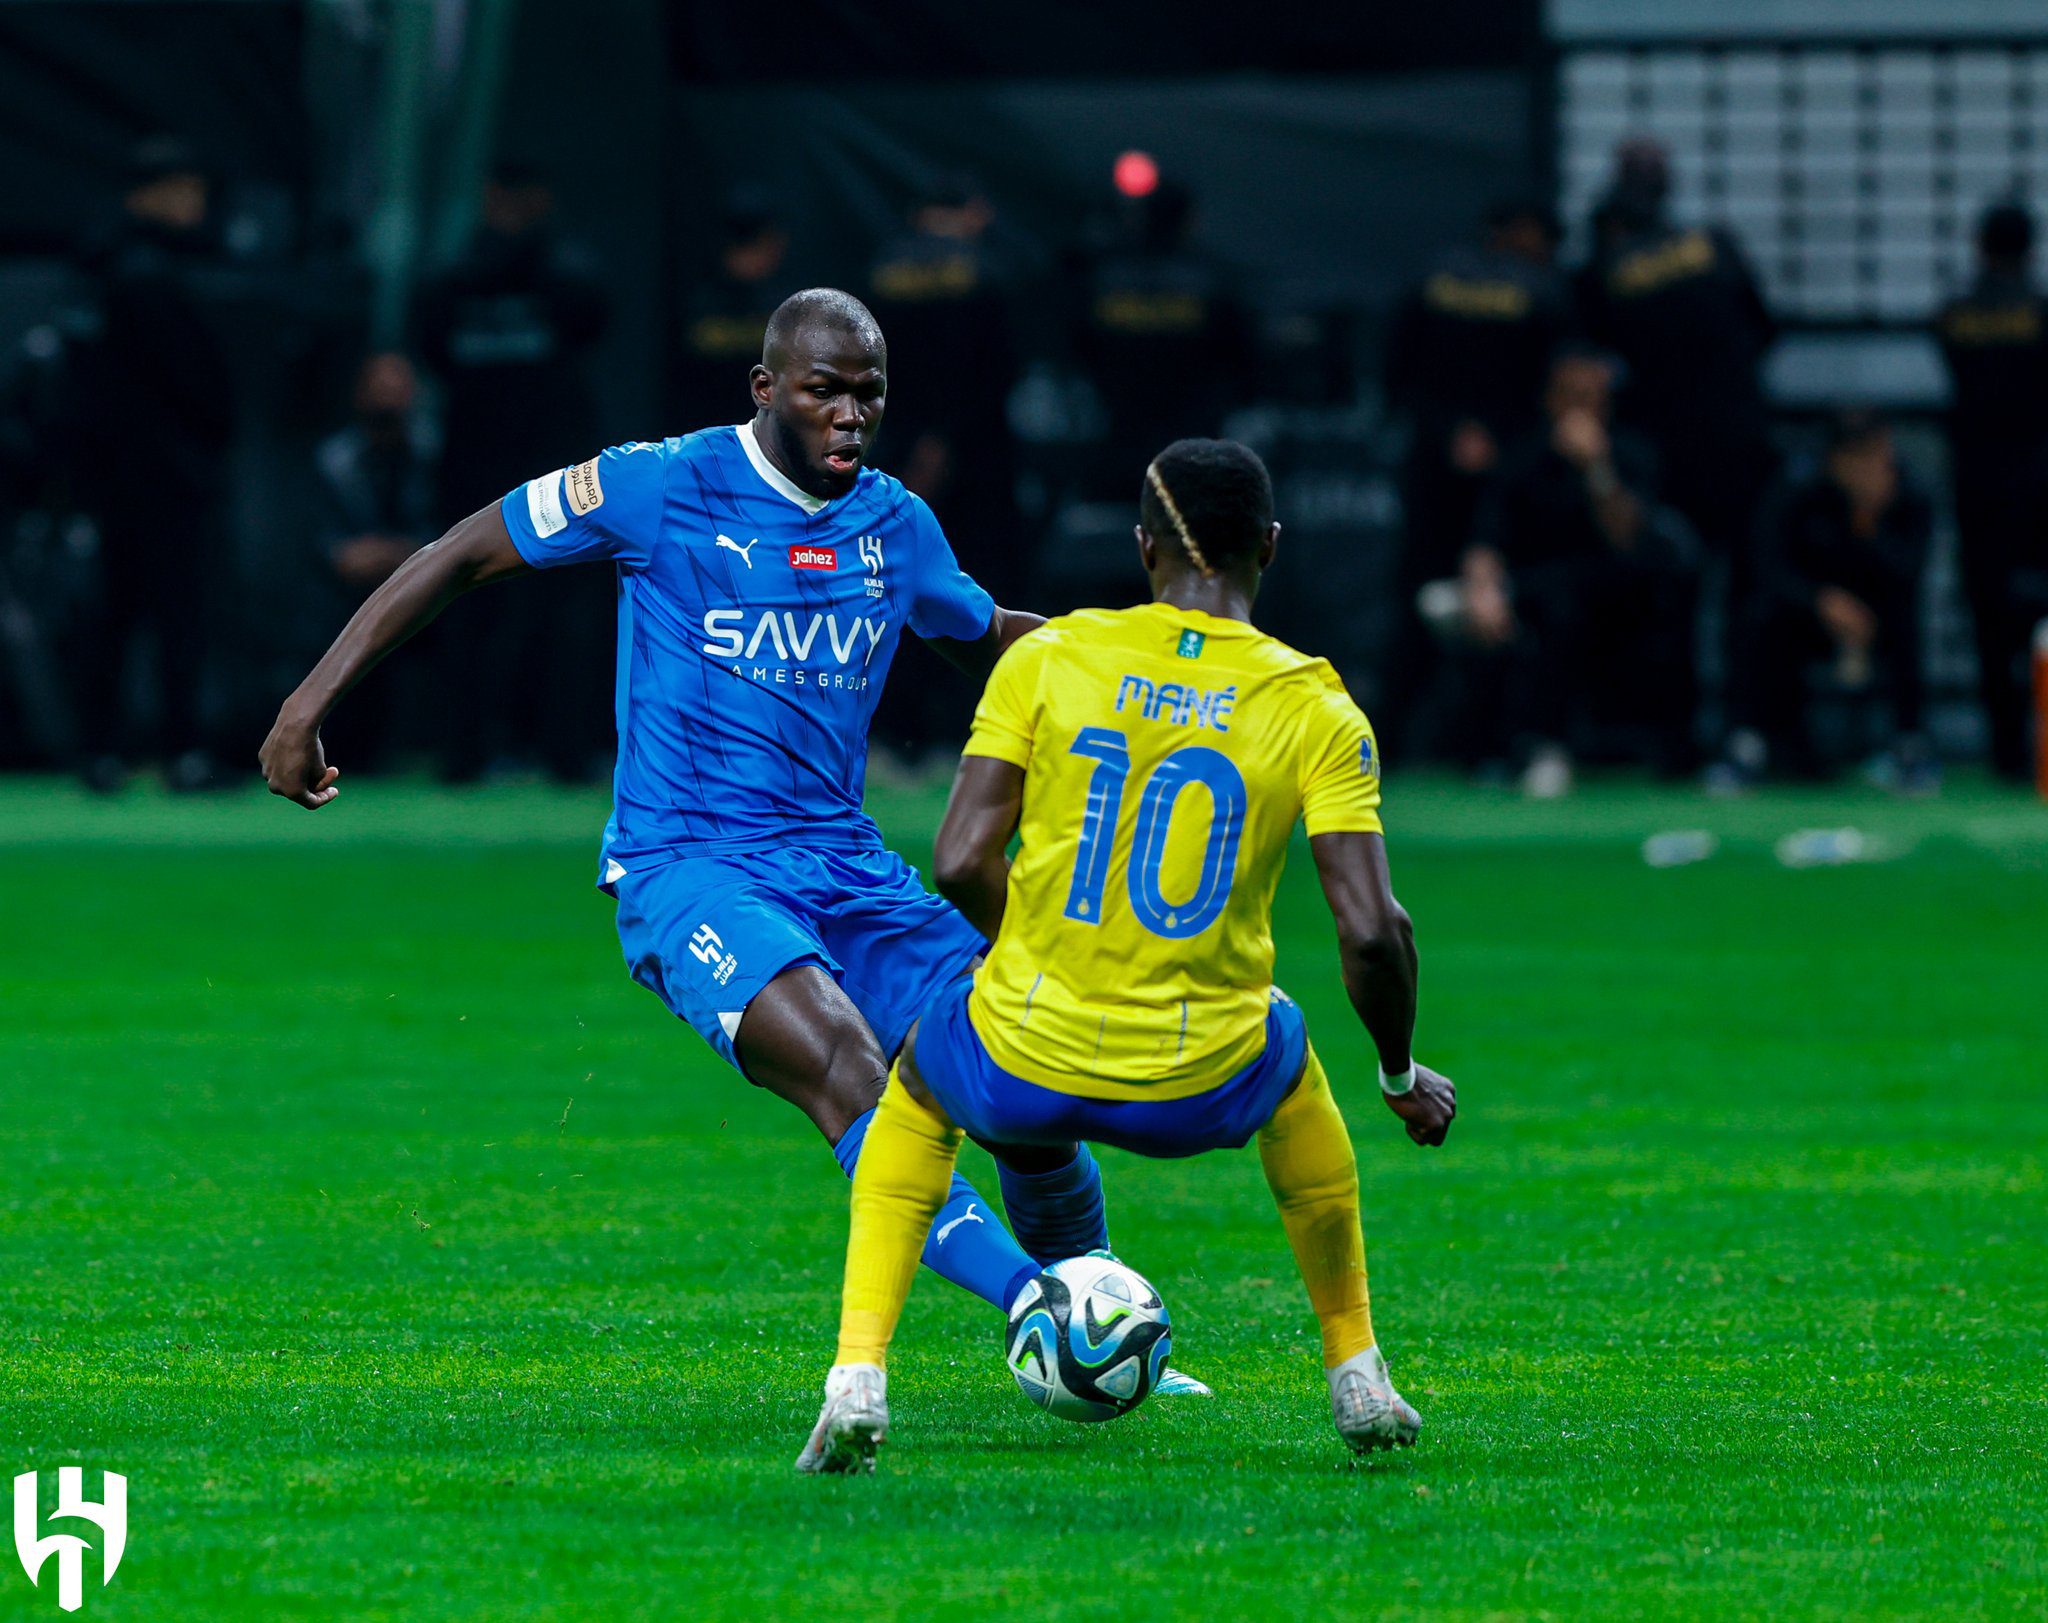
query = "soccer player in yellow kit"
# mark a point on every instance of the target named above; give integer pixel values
(1153, 762)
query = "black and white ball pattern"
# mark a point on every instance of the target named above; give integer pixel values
(1087, 1339)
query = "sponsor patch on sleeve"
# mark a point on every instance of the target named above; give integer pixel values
(544, 504)
(584, 490)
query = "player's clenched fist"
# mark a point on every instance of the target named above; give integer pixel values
(295, 766)
(1427, 1107)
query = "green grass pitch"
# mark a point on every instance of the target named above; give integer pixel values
(412, 1263)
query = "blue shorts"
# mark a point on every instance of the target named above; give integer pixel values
(994, 1107)
(706, 933)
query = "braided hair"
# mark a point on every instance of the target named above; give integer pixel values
(1213, 497)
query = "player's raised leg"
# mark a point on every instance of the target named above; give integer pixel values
(898, 1189)
(802, 1038)
(1310, 1168)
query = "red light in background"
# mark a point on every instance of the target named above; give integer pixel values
(1136, 174)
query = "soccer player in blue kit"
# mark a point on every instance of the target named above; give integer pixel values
(765, 576)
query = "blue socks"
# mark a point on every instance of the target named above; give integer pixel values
(968, 1243)
(1060, 1213)
(1055, 1214)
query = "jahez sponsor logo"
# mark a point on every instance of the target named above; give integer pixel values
(813, 558)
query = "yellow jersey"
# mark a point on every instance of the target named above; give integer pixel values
(1167, 754)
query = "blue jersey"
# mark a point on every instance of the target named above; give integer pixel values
(756, 625)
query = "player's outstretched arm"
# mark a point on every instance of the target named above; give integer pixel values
(477, 550)
(1376, 944)
(978, 658)
(970, 861)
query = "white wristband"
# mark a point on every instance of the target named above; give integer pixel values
(1394, 1086)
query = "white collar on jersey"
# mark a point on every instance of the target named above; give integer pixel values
(773, 477)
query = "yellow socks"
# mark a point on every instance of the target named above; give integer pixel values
(906, 1167)
(1314, 1179)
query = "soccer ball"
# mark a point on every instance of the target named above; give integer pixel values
(1087, 1339)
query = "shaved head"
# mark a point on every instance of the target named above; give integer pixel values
(820, 311)
(819, 388)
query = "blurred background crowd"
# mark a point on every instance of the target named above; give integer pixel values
(1648, 390)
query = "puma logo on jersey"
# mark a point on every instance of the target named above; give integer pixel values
(746, 552)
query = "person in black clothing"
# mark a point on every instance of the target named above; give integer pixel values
(378, 506)
(509, 328)
(1682, 310)
(1995, 339)
(1161, 332)
(154, 420)
(1577, 587)
(723, 314)
(1840, 564)
(1466, 359)
(944, 298)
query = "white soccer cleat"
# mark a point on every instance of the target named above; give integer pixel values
(1178, 1383)
(852, 1425)
(1369, 1413)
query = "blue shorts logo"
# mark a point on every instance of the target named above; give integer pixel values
(708, 948)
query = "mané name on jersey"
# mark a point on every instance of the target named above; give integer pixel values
(1167, 756)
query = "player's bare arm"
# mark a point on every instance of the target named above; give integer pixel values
(1376, 946)
(978, 658)
(970, 862)
(476, 551)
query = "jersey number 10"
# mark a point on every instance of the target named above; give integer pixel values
(1196, 763)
